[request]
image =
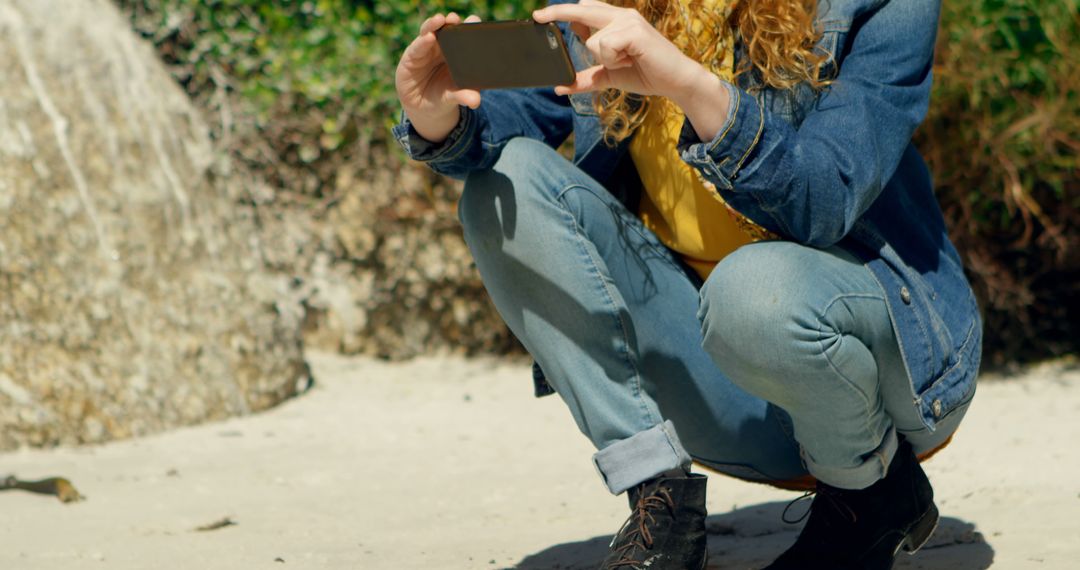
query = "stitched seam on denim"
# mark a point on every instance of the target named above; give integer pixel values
(788, 427)
(780, 221)
(858, 471)
(879, 453)
(719, 466)
(922, 286)
(757, 138)
(831, 25)
(899, 342)
(925, 333)
(959, 358)
(589, 112)
(927, 337)
(828, 359)
(609, 297)
(635, 224)
(965, 403)
(586, 153)
(734, 119)
(834, 44)
(921, 327)
(461, 145)
(671, 442)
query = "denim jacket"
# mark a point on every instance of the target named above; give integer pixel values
(818, 168)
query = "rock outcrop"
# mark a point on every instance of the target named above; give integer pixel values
(393, 277)
(133, 290)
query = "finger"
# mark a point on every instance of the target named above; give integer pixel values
(453, 19)
(595, 16)
(587, 80)
(622, 62)
(592, 3)
(601, 51)
(433, 23)
(608, 46)
(422, 49)
(472, 19)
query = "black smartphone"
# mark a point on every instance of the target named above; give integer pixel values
(506, 54)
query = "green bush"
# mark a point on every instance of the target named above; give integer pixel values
(315, 79)
(1003, 140)
(329, 59)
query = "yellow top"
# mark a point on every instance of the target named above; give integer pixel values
(677, 204)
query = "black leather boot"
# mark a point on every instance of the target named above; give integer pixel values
(865, 529)
(666, 528)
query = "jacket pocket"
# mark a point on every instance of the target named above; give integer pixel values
(793, 105)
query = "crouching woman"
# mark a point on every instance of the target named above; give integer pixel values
(743, 266)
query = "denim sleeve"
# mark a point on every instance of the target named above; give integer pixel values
(477, 140)
(812, 183)
(423, 150)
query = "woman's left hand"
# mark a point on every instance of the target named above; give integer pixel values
(630, 53)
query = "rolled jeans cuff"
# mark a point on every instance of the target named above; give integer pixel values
(641, 456)
(872, 470)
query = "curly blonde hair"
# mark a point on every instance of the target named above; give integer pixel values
(777, 36)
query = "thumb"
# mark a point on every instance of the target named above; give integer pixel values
(468, 97)
(591, 79)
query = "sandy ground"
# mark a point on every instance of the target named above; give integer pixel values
(446, 463)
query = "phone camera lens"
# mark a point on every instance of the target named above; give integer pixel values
(552, 40)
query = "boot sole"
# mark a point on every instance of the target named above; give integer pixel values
(912, 539)
(920, 532)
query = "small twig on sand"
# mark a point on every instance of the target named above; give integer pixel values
(216, 525)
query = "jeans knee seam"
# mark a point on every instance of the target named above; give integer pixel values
(828, 359)
(657, 248)
(609, 299)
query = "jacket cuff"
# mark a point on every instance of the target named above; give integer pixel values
(423, 150)
(721, 158)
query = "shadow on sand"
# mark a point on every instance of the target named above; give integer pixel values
(751, 537)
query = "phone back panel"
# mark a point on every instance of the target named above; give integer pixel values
(495, 55)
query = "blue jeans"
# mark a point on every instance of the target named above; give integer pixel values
(783, 363)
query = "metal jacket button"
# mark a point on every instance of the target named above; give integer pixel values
(936, 407)
(905, 295)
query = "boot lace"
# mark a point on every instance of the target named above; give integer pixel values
(640, 538)
(821, 496)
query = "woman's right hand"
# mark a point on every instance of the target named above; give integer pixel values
(424, 86)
